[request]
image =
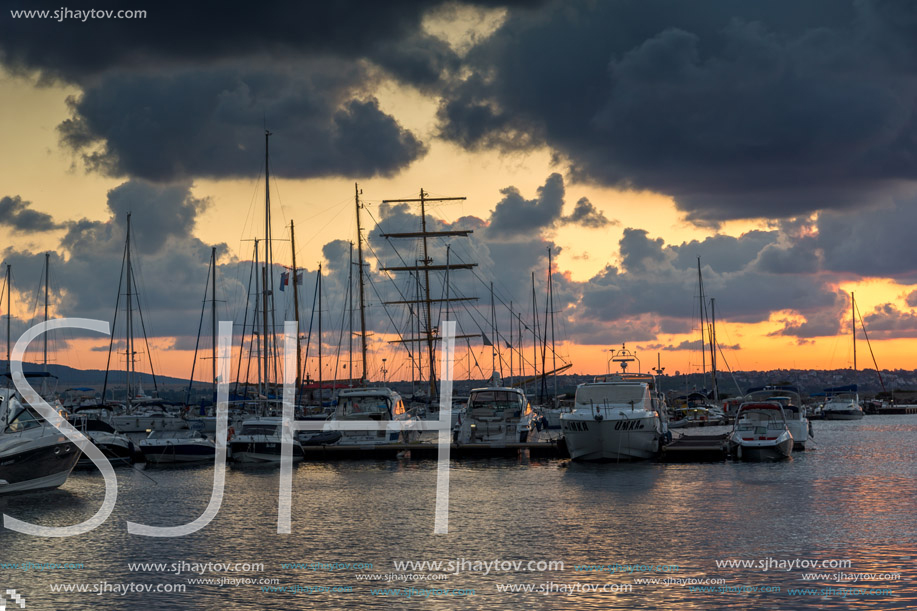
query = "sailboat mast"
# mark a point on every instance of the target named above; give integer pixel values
(258, 292)
(853, 326)
(716, 390)
(9, 316)
(213, 315)
(551, 293)
(130, 317)
(534, 334)
(511, 341)
(266, 292)
(356, 199)
(703, 321)
(47, 260)
(320, 390)
(296, 307)
(350, 307)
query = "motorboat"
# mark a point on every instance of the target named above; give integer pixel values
(260, 441)
(146, 418)
(115, 445)
(760, 432)
(842, 403)
(378, 404)
(498, 415)
(790, 400)
(184, 446)
(616, 417)
(694, 410)
(34, 455)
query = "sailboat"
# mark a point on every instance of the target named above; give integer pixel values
(843, 402)
(139, 413)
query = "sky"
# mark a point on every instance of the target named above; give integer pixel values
(777, 142)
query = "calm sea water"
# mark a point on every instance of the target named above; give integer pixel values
(850, 498)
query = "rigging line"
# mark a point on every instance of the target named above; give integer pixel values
(869, 345)
(322, 228)
(728, 368)
(337, 356)
(305, 359)
(146, 340)
(248, 295)
(114, 324)
(200, 327)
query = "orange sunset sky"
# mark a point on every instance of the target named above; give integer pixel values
(777, 144)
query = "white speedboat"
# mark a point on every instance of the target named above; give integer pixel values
(842, 404)
(260, 441)
(377, 404)
(498, 415)
(185, 446)
(143, 419)
(115, 445)
(616, 417)
(791, 402)
(34, 455)
(760, 432)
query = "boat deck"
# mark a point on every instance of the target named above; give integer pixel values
(696, 448)
(431, 450)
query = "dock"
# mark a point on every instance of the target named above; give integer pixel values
(894, 410)
(424, 451)
(695, 448)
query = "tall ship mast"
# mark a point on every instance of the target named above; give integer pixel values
(428, 333)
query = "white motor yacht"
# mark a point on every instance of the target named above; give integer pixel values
(842, 403)
(616, 417)
(185, 446)
(34, 455)
(376, 404)
(260, 441)
(760, 432)
(791, 402)
(498, 415)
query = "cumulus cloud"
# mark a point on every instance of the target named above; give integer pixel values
(740, 110)
(207, 122)
(19, 215)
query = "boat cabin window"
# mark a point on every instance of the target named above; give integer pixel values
(23, 421)
(612, 394)
(180, 434)
(496, 399)
(356, 406)
(258, 429)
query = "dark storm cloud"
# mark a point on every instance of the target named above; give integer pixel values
(658, 279)
(587, 215)
(888, 322)
(18, 214)
(208, 122)
(517, 217)
(873, 242)
(736, 109)
(175, 34)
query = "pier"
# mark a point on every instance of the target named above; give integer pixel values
(431, 450)
(695, 448)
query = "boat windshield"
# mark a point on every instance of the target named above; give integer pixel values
(496, 399)
(182, 434)
(259, 429)
(362, 406)
(23, 420)
(612, 394)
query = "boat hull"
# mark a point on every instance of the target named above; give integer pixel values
(612, 440)
(37, 467)
(116, 452)
(261, 452)
(178, 453)
(800, 431)
(843, 414)
(759, 452)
